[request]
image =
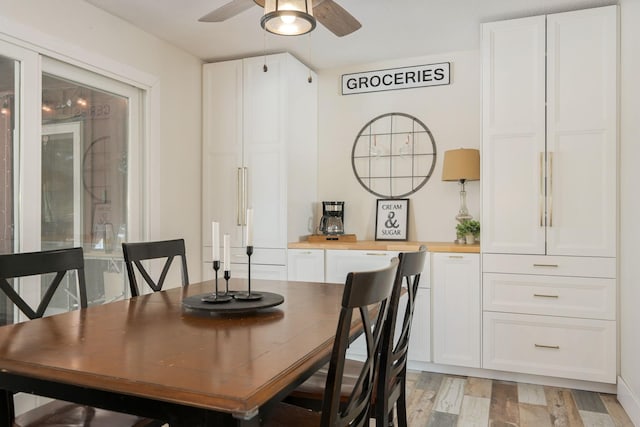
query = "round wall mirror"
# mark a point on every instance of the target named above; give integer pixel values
(394, 155)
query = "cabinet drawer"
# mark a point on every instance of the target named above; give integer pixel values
(588, 297)
(581, 349)
(270, 256)
(549, 265)
(339, 263)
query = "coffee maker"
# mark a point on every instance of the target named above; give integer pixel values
(332, 221)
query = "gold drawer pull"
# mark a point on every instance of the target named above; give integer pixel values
(545, 296)
(554, 347)
(375, 254)
(456, 256)
(546, 265)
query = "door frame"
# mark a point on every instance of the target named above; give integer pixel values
(75, 129)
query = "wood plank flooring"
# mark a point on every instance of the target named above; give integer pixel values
(439, 400)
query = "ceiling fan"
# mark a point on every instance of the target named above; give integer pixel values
(330, 14)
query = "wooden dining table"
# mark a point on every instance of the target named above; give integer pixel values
(151, 357)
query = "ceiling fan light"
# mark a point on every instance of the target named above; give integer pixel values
(288, 17)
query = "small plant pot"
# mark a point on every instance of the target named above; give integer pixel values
(470, 239)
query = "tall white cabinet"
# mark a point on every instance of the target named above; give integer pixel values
(549, 194)
(549, 174)
(260, 152)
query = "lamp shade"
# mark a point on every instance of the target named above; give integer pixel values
(461, 165)
(288, 17)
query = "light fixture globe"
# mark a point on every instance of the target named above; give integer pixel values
(288, 17)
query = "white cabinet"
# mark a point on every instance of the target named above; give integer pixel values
(260, 152)
(456, 308)
(549, 174)
(550, 315)
(549, 186)
(306, 265)
(420, 338)
(332, 266)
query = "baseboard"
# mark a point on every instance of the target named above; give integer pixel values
(629, 402)
(513, 376)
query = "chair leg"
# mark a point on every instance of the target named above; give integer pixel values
(6, 409)
(401, 403)
(401, 406)
(390, 420)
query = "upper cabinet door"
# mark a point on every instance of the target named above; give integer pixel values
(549, 173)
(265, 143)
(582, 132)
(513, 143)
(222, 163)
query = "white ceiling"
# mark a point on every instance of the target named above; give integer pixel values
(390, 28)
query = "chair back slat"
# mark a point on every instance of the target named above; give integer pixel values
(362, 291)
(394, 350)
(134, 253)
(58, 261)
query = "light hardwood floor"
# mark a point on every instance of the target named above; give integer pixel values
(438, 400)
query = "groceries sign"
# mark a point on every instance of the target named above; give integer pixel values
(396, 78)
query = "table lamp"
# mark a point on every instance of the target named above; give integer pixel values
(461, 165)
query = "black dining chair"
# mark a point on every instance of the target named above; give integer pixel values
(57, 412)
(362, 291)
(135, 253)
(391, 381)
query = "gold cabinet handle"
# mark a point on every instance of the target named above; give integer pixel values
(546, 265)
(245, 195)
(375, 254)
(541, 191)
(239, 195)
(550, 197)
(545, 296)
(456, 256)
(554, 347)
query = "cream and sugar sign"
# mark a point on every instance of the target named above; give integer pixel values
(396, 78)
(391, 219)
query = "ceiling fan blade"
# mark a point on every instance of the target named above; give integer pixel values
(335, 18)
(227, 11)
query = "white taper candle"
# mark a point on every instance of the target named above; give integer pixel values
(226, 242)
(249, 227)
(215, 240)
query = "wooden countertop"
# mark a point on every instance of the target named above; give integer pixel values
(372, 245)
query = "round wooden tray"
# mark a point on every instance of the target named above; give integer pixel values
(268, 299)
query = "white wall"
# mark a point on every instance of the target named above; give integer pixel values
(79, 30)
(451, 112)
(629, 386)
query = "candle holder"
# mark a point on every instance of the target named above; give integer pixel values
(227, 276)
(217, 297)
(248, 296)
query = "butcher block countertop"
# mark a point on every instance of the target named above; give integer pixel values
(376, 245)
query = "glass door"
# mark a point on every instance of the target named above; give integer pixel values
(89, 156)
(70, 168)
(18, 105)
(8, 68)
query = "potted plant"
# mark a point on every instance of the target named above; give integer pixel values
(470, 229)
